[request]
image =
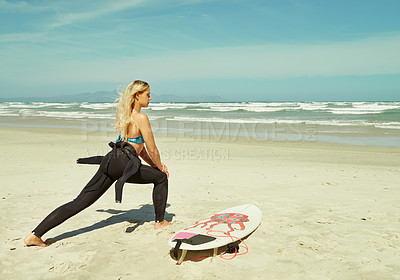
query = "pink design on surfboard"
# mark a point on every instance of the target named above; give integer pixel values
(223, 218)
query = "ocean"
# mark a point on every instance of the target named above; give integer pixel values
(360, 123)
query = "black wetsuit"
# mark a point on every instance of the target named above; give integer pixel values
(122, 165)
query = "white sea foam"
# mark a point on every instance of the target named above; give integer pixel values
(311, 113)
(218, 120)
(165, 106)
(273, 104)
(230, 109)
(63, 115)
(24, 106)
(162, 108)
(8, 113)
(26, 112)
(352, 111)
(259, 107)
(312, 106)
(266, 109)
(98, 106)
(377, 105)
(37, 105)
(213, 104)
(45, 104)
(353, 123)
(249, 107)
(222, 109)
(362, 110)
(391, 125)
(153, 118)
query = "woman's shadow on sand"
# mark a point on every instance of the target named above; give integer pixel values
(135, 216)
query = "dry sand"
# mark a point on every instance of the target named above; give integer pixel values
(330, 211)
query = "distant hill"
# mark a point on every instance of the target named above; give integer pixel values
(111, 96)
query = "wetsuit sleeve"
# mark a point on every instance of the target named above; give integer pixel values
(90, 160)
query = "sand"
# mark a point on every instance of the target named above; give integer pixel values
(330, 211)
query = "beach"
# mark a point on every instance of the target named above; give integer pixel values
(330, 210)
(289, 109)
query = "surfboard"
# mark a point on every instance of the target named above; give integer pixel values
(217, 230)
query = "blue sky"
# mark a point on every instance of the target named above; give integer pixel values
(278, 50)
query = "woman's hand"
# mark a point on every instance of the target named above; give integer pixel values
(165, 169)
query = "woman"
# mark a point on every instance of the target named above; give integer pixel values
(121, 164)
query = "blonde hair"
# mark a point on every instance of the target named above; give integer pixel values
(126, 104)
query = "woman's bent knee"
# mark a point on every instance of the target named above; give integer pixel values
(162, 179)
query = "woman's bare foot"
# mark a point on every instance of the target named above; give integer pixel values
(163, 224)
(32, 240)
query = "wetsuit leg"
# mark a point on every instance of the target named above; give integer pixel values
(146, 175)
(96, 187)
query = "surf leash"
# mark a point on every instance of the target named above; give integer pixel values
(234, 239)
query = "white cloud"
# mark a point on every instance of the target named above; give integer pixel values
(20, 7)
(97, 10)
(22, 37)
(94, 10)
(69, 12)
